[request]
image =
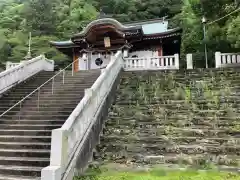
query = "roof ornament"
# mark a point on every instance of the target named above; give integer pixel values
(29, 55)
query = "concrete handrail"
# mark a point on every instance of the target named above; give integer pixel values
(68, 141)
(23, 71)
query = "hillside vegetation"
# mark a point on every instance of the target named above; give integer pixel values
(59, 19)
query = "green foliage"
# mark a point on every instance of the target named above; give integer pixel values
(222, 35)
(40, 17)
(59, 19)
(159, 174)
(233, 32)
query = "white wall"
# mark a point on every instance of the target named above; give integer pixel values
(92, 65)
(82, 64)
(106, 59)
(144, 53)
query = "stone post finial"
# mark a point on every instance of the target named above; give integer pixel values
(218, 59)
(189, 61)
(176, 60)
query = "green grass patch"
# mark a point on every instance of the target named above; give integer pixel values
(162, 175)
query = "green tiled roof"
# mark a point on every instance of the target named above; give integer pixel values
(155, 28)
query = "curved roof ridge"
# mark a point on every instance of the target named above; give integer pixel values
(102, 21)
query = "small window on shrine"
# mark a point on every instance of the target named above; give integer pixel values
(98, 61)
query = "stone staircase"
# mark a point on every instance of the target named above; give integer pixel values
(25, 134)
(173, 119)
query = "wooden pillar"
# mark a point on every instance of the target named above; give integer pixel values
(160, 54)
(160, 51)
(76, 61)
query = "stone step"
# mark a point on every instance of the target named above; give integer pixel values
(20, 170)
(180, 74)
(28, 145)
(25, 152)
(13, 138)
(49, 87)
(172, 131)
(29, 121)
(25, 132)
(31, 126)
(171, 101)
(178, 111)
(167, 148)
(45, 103)
(128, 166)
(175, 115)
(35, 110)
(61, 110)
(11, 177)
(199, 161)
(164, 139)
(25, 161)
(161, 99)
(145, 123)
(38, 117)
(190, 76)
(47, 98)
(181, 107)
(22, 95)
(182, 79)
(66, 94)
(33, 107)
(182, 86)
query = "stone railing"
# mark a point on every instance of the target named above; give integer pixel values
(152, 63)
(22, 71)
(227, 59)
(70, 143)
(10, 65)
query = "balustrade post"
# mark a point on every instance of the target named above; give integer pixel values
(20, 107)
(52, 85)
(189, 61)
(64, 76)
(8, 65)
(38, 103)
(218, 59)
(176, 56)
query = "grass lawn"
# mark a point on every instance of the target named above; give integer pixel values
(163, 175)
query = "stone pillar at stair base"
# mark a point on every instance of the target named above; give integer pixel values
(58, 161)
(51, 173)
(59, 148)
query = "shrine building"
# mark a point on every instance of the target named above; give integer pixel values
(93, 47)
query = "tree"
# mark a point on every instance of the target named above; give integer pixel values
(233, 32)
(40, 17)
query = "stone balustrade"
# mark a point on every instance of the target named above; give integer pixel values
(69, 143)
(18, 72)
(152, 63)
(227, 59)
